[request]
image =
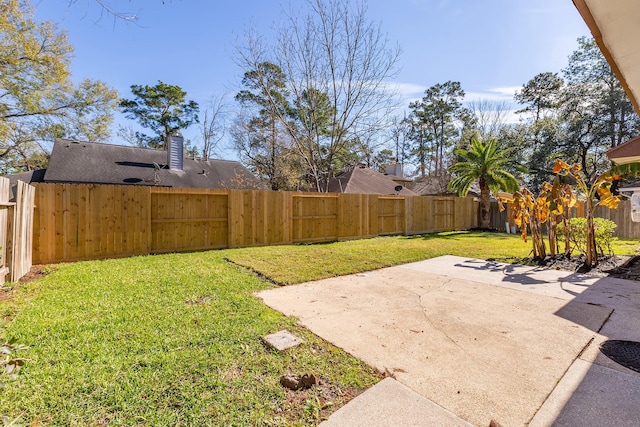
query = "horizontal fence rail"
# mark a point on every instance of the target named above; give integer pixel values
(82, 221)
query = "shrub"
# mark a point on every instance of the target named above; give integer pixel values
(604, 230)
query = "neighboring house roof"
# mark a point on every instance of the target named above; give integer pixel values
(362, 180)
(633, 188)
(28, 177)
(628, 152)
(96, 163)
(614, 25)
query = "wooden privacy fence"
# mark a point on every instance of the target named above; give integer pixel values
(79, 221)
(16, 229)
(626, 228)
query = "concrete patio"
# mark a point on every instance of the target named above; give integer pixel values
(466, 341)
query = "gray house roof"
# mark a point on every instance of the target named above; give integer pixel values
(28, 177)
(362, 180)
(96, 163)
(633, 188)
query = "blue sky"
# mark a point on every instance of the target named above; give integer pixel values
(490, 46)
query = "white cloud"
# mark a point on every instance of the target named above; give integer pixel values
(507, 90)
(493, 94)
(407, 90)
(410, 92)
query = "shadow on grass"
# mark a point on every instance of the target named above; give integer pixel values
(456, 235)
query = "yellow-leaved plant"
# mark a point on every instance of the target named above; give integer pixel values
(555, 201)
(597, 193)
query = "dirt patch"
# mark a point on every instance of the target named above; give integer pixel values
(36, 272)
(623, 267)
(6, 292)
(316, 403)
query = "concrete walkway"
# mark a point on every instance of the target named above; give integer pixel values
(476, 341)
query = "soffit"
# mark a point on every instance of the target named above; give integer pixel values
(614, 25)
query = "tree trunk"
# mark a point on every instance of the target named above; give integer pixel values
(539, 249)
(485, 205)
(567, 234)
(592, 254)
(552, 233)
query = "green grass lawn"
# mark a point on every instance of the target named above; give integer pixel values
(300, 263)
(175, 339)
(162, 341)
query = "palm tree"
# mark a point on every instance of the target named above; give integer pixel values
(487, 164)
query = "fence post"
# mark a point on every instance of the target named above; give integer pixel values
(408, 215)
(287, 218)
(235, 213)
(5, 224)
(22, 241)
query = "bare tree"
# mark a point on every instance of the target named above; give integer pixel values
(370, 147)
(489, 117)
(213, 125)
(21, 150)
(274, 162)
(130, 136)
(108, 10)
(336, 65)
(399, 134)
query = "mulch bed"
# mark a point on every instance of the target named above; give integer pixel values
(623, 267)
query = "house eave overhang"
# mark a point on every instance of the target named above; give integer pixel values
(613, 24)
(625, 160)
(629, 152)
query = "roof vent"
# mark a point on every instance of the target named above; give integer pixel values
(174, 145)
